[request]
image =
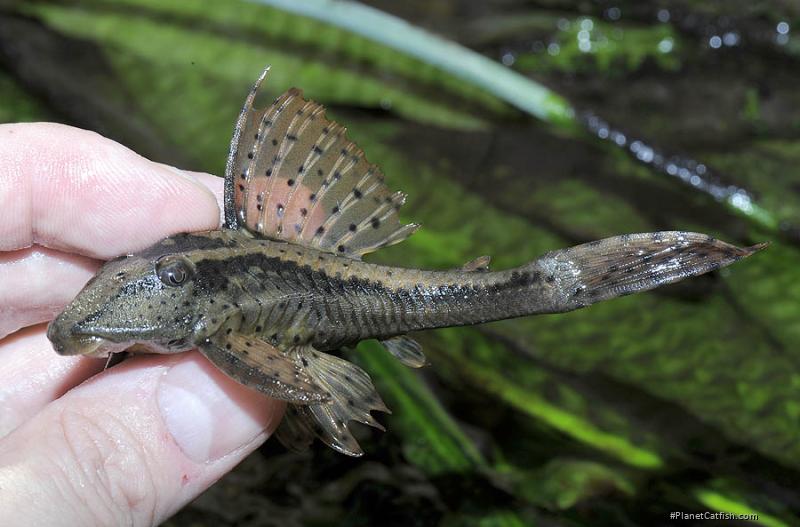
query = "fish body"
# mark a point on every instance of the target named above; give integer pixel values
(291, 295)
(273, 296)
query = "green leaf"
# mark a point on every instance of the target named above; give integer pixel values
(434, 442)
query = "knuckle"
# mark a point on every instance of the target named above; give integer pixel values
(101, 463)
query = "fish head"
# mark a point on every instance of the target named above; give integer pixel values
(149, 299)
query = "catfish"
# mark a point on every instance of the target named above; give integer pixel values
(274, 295)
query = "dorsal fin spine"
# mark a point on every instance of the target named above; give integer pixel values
(232, 221)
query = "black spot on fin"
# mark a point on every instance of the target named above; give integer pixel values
(293, 175)
(481, 263)
(406, 350)
(258, 365)
(352, 398)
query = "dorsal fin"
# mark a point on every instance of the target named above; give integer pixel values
(294, 175)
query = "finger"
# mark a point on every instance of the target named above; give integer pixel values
(132, 445)
(36, 283)
(74, 190)
(33, 375)
(216, 186)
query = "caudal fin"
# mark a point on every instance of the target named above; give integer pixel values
(630, 263)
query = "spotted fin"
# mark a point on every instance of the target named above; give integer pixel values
(258, 365)
(352, 398)
(631, 263)
(481, 263)
(294, 175)
(406, 350)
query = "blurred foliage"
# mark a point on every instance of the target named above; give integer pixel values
(581, 45)
(684, 399)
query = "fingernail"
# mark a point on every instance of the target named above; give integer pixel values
(210, 416)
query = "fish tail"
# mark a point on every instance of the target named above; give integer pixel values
(622, 265)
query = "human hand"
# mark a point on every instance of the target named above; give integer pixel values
(133, 444)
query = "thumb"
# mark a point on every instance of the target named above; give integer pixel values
(132, 445)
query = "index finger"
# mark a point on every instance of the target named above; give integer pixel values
(74, 190)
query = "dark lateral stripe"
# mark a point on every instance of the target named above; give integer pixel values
(217, 270)
(366, 307)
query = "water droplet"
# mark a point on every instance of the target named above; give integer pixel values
(613, 13)
(782, 28)
(508, 58)
(553, 48)
(741, 201)
(663, 16)
(715, 42)
(645, 154)
(666, 45)
(587, 24)
(563, 24)
(730, 38)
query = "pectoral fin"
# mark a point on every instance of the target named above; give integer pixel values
(258, 365)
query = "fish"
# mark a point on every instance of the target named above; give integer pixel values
(273, 296)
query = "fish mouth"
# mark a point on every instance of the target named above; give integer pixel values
(86, 344)
(91, 346)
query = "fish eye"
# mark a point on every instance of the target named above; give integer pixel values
(174, 270)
